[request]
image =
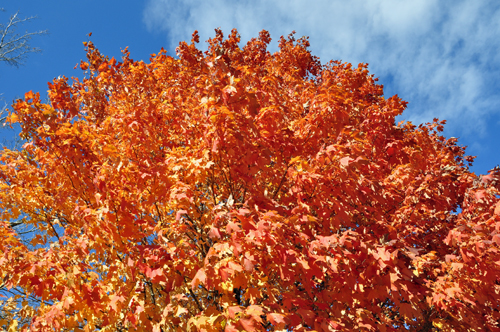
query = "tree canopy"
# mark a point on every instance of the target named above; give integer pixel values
(239, 190)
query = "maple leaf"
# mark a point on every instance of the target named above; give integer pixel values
(114, 300)
(248, 324)
(199, 278)
(345, 161)
(180, 311)
(277, 320)
(497, 208)
(214, 233)
(233, 311)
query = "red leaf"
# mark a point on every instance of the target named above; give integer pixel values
(215, 145)
(480, 194)
(308, 316)
(248, 324)
(345, 161)
(130, 262)
(225, 273)
(248, 265)
(233, 310)
(199, 278)
(214, 233)
(497, 209)
(114, 299)
(235, 266)
(230, 328)
(153, 273)
(278, 320)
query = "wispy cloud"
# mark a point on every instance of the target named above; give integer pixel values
(443, 57)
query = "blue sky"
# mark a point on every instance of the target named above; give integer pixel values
(443, 57)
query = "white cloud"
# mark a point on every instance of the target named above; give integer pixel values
(442, 57)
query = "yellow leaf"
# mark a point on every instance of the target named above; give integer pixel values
(13, 326)
(293, 160)
(13, 118)
(438, 323)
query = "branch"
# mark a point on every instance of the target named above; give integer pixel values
(281, 183)
(15, 47)
(194, 296)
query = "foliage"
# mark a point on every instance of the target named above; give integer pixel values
(241, 190)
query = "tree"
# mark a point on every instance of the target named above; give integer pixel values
(237, 189)
(14, 47)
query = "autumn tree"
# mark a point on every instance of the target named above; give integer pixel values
(239, 190)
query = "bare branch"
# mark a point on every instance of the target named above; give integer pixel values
(15, 47)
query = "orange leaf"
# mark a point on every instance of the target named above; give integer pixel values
(497, 208)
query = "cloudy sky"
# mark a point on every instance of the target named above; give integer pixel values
(443, 57)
